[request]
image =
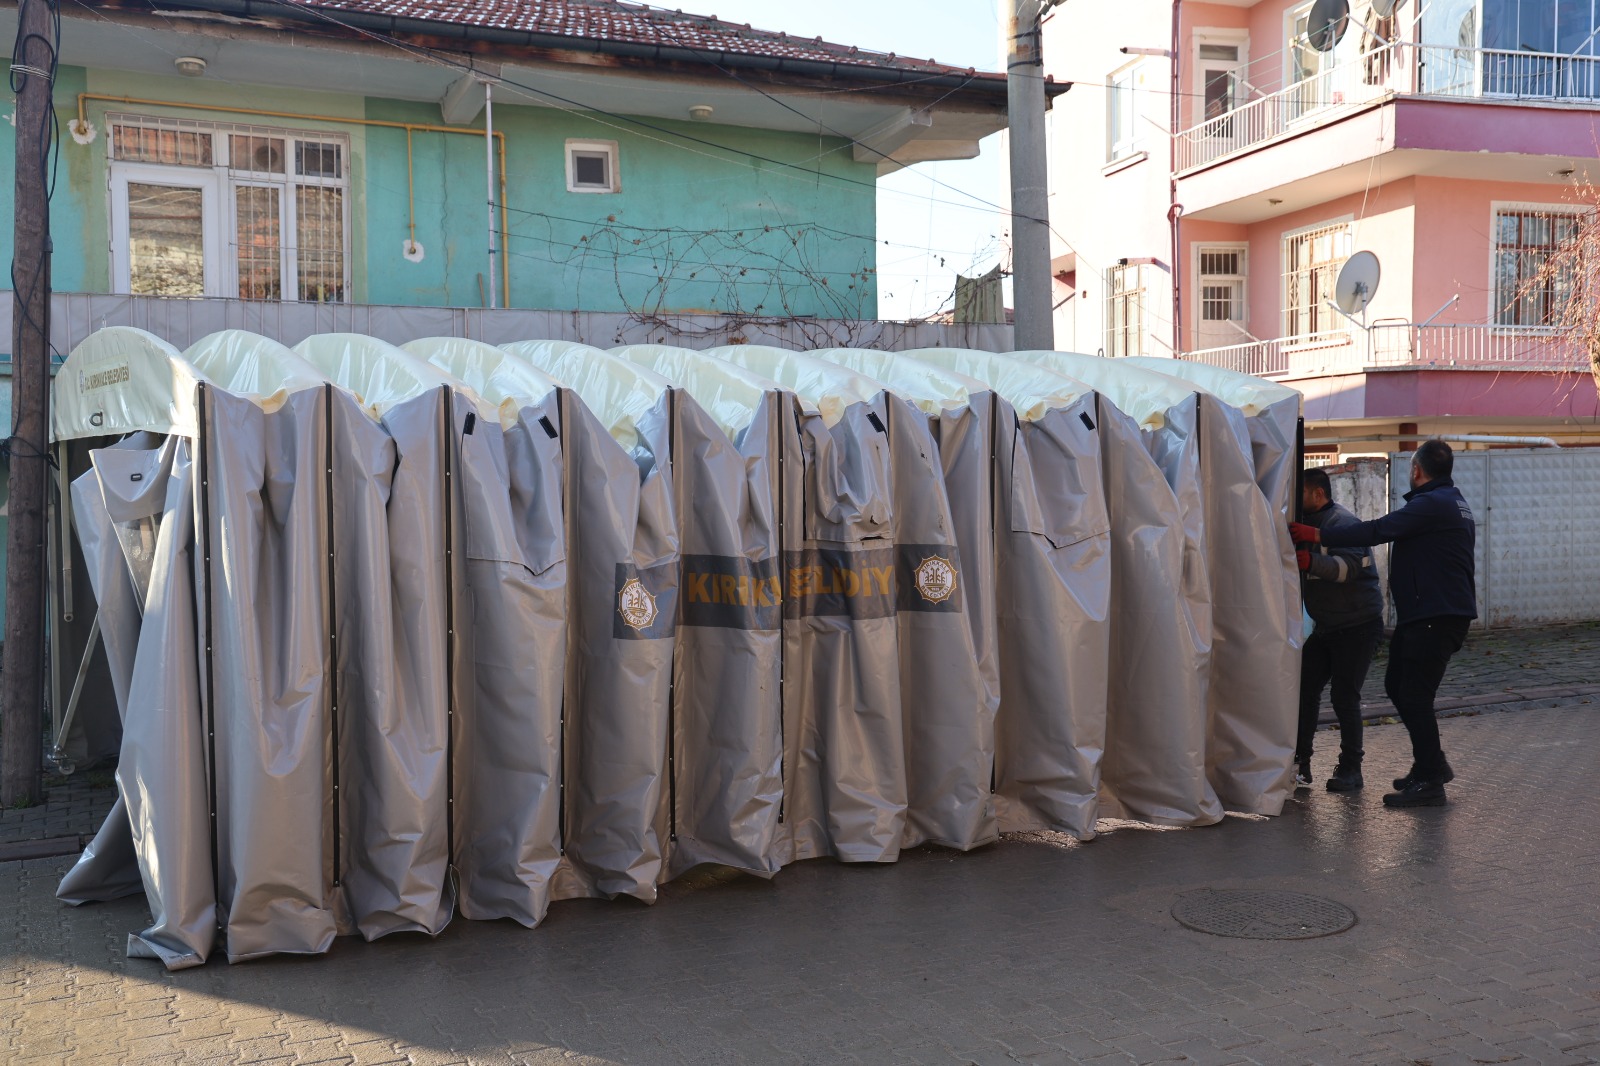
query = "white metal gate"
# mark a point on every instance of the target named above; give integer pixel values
(1537, 511)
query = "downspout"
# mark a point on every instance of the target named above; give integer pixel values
(1175, 209)
(488, 179)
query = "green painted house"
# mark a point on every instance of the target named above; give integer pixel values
(640, 160)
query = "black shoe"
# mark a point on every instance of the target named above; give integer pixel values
(1417, 794)
(1403, 783)
(1346, 778)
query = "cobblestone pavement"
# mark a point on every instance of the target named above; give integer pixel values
(1477, 943)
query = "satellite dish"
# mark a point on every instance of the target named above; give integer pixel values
(1384, 8)
(1326, 24)
(1358, 282)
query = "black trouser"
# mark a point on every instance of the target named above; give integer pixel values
(1342, 656)
(1418, 652)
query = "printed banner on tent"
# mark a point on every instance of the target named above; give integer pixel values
(647, 602)
(876, 583)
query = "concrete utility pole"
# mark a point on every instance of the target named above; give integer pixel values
(1030, 203)
(22, 694)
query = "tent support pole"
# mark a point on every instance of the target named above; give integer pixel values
(64, 726)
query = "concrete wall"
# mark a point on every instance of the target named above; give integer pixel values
(726, 236)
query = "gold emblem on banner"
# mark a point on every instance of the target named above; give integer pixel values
(935, 579)
(635, 604)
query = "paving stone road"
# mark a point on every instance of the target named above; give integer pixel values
(1478, 941)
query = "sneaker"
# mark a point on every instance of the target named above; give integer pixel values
(1403, 783)
(1345, 778)
(1302, 775)
(1417, 794)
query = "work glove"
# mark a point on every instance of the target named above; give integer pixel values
(1302, 559)
(1301, 533)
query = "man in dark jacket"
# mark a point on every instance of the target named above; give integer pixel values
(1344, 601)
(1431, 581)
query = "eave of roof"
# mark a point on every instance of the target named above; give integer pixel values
(709, 42)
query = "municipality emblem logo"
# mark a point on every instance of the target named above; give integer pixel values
(635, 604)
(935, 579)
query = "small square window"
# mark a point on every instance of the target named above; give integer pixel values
(592, 166)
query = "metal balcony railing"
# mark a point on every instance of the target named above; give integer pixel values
(1396, 68)
(1388, 345)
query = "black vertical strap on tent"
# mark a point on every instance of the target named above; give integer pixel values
(203, 416)
(672, 669)
(447, 436)
(783, 749)
(1296, 508)
(994, 546)
(566, 530)
(332, 624)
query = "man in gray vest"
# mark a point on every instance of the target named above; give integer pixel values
(1344, 600)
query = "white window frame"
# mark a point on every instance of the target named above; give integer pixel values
(202, 178)
(1237, 38)
(1243, 277)
(1140, 294)
(218, 181)
(613, 166)
(1340, 331)
(1495, 209)
(1123, 149)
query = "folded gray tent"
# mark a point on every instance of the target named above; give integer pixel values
(622, 537)
(512, 643)
(1252, 690)
(1053, 585)
(226, 743)
(843, 736)
(949, 683)
(727, 776)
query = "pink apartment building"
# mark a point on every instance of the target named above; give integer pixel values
(1205, 203)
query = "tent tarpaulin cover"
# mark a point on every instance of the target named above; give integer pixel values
(511, 640)
(623, 558)
(727, 746)
(1051, 588)
(949, 685)
(845, 786)
(395, 632)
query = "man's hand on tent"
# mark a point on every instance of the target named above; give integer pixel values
(1302, 559)
(1304, 534)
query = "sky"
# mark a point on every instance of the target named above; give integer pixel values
(966, 236)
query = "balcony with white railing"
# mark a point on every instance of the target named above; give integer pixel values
(1398, 68)
(1401, 345)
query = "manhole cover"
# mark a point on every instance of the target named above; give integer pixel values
(1262, 915)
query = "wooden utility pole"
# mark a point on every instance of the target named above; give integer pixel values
(22, 693)
(1030, 196)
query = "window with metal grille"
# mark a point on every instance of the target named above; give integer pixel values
(1222, 277)
(218, 209)
(1125, 310)
(1524, 240)
(1311, 262)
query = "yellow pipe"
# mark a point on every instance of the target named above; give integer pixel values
(409, 127)
(411, 196)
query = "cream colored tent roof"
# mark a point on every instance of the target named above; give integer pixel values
(1252, 395)
(1029, 388)
(827, 387)
(1142, 394)
(730, 394)
(380, 374)
(252, 365)
(121, 380)
(617, 391)
(507, 383)
(932, 388)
